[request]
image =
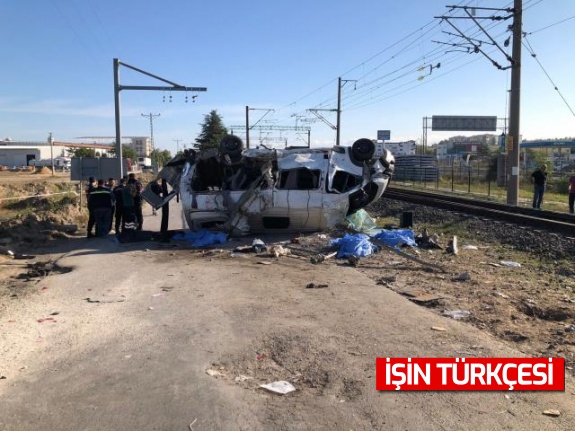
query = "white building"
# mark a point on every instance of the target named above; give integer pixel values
(141, 145)
(13, 153)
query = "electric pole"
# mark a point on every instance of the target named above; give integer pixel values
(474, 45)
(177, 141)
(514, 108)
(338, 123)
(151, 117)
(337, 130)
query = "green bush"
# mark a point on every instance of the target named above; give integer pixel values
(560, 185)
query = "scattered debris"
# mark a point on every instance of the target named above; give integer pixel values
(386, 281)
(280, 387)
(424, 240)
(106, 299)
(316, 286)
(464, 276)
(501, 295)
(259, 246)
(552, 412)
(438, 328)
(242, 378)
(46, 319)
(514, 336)
(264, 262)
(510, 264)
(470, 247)
(278, 250)
(452, 246)
(427, 298)
(457, 314)
(214, 373)
(353, 260)
(319, 258)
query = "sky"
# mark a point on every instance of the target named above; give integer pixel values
(398, 60)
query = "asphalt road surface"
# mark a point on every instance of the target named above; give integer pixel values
(182, 339)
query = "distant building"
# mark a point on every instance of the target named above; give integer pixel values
(141, 145)
(407, 148)
(14, 153)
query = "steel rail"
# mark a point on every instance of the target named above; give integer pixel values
(549, 220)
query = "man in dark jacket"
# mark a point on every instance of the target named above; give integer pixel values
(89, 189)
(119, 209)
(539, 179)
(136, 187)
(100, 205)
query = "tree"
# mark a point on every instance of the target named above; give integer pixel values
(127, 152)
(82, 152)
(159, 157)
(213, 130)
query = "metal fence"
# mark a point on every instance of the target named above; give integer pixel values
(479, 176)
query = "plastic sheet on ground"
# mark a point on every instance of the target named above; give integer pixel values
(396, 238)
(201, 238)
(361, 221)
(357, 245)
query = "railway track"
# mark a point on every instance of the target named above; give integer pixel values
(561, 223)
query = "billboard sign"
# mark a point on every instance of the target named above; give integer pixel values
(460, 123)
(383, 135)
(85, 167)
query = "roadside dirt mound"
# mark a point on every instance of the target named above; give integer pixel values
(39, 220)
(43, 170)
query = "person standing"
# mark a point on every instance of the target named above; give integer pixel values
(100, 204)
(111, 184)
(91, 220)
(156, 188)
(539, 180)
(119, 208)
(136, 187)
(572, 194)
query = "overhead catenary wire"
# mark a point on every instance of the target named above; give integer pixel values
(529, 48)
(372, 89)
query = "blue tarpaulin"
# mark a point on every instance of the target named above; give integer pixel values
(201, 238)
(396, 238)
(359, 244)
(353, 245)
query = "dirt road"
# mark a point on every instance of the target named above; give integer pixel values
(182, 340)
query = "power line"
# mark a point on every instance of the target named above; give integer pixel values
(527, 45)
(551, 25)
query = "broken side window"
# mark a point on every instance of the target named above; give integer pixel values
(299, 179)
(344, 181)
(208, 175)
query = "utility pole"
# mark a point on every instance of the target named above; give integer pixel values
(338, 122)
(248, 109)
(247, 126)
(177, 141)
(513, 137)
(151, 117)
(474, 45)
(51, 142)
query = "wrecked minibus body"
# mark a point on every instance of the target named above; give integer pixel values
(259, 190)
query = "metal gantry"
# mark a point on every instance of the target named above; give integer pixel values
(118, 88)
